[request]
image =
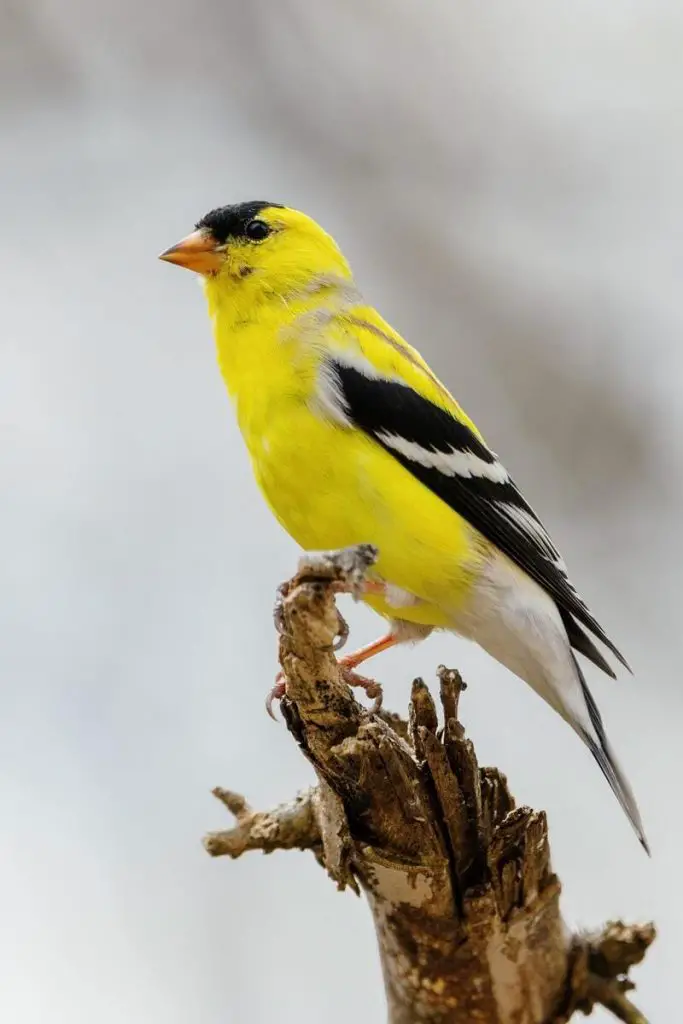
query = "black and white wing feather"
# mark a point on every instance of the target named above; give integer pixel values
(448, 458)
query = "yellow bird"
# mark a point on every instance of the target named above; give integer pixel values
(354, 439)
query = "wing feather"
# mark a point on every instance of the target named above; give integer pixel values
(447, 457)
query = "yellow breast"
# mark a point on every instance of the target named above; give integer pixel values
(330, 485)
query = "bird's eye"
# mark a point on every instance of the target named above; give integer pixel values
(257, 230)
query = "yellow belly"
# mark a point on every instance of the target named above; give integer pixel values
(331, 487)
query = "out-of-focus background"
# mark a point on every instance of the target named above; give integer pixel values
(506, 180)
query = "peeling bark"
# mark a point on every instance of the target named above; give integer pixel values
(458, 879)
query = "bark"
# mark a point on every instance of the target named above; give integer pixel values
(458, 879)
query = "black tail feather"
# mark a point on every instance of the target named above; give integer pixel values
(582, 643)
(602, 752)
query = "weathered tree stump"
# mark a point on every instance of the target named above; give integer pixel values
(458, 879)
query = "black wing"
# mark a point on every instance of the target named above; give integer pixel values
(449, 459)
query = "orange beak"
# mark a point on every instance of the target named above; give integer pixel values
(197, 252)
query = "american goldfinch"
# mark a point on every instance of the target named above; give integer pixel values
(354, 439)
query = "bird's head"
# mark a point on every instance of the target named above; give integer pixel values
(257, 248)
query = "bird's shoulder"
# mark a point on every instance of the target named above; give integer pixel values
(378, 350)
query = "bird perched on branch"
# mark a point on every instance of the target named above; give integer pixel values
(354, 439)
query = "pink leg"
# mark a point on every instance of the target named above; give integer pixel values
(369, 587)
(369, 651)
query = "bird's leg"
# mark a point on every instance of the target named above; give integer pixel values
(367, 587)
(356, 658)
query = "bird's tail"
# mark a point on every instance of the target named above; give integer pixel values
(603, 754)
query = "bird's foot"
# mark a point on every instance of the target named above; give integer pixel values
(372, 688)
(347, 664)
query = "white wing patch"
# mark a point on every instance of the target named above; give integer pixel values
(328, 398)
(451, 463)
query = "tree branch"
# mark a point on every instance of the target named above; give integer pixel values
(458, 879)
(288, 827)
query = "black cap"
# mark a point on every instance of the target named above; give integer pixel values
(230, 221)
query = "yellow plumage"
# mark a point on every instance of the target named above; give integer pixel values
(327, 485)
(353, 439)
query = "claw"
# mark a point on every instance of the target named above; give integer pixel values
(342, 632)
(277, 692)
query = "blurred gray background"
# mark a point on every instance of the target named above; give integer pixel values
(506, 180)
